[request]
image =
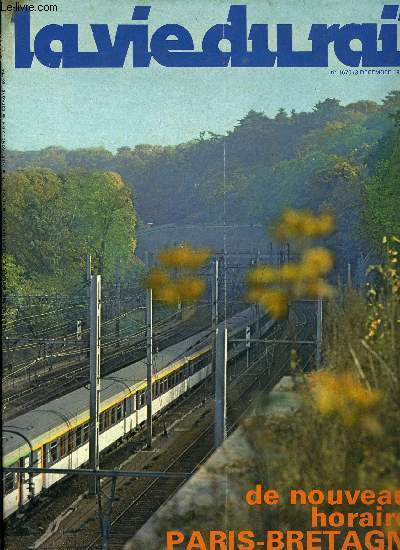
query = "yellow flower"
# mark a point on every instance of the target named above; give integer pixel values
(342, 394)
(275, 301)
(184, 256)
(326, 223)
(168, 294)
(255, 293)
(291, 225)
(317, 289)
(310, 226)
(262, 275)
(156, 278)
(303, 223)
(190, 288)
(360, 395)
(290, 272)
(317, 261)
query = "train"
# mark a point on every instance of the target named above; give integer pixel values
(58, 432)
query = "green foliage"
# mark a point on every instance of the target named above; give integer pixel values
(293, 159)
(53, 221)
(382, 192)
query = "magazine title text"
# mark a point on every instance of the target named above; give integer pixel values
(172, 45)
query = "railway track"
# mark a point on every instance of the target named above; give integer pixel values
(56, 384)
(146, 504)
(134, 515)
(139, 498)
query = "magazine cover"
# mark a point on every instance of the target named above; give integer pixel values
(201, 237)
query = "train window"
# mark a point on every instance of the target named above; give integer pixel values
(119, 412)
(85, 434)
(53, 451)
(130, 405)
(36, 460)
(63, 445)
(9, 482)
(71, 434)
(112, 416)
(101, 427)
(106, 419)
(78, 436)
(141, 399)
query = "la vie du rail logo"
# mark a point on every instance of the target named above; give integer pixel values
(234, 43)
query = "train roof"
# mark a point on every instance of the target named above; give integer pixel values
(50, 420)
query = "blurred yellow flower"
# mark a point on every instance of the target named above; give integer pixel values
(317, 261)
(190, 288)
(276, 301)
(156, 278)
(168, 294)
(290, 272)
(326, 223)
(184, 256)
(255, 293)
(295, 224)
(173, 290)
(316, 289)
(275, 287)
(262, 274)
(342, 394)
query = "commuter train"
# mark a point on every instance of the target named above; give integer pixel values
(59, 430)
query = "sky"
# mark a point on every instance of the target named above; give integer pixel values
(76, 108)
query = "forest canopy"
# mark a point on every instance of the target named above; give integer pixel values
(52, 221)
(61, 204)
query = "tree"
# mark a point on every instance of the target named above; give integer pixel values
(382, 194)
(53, 221)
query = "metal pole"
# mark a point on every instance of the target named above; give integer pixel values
(79, 336)
(149, 346)
(105, 515)
(257, 305)
(220, 386)
(118, 297)
(78, 330)
(88, 282)
(318, 353)
(95, 312)
(214, 314)
(349, 275)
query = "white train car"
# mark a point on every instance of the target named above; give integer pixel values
(59, 430)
